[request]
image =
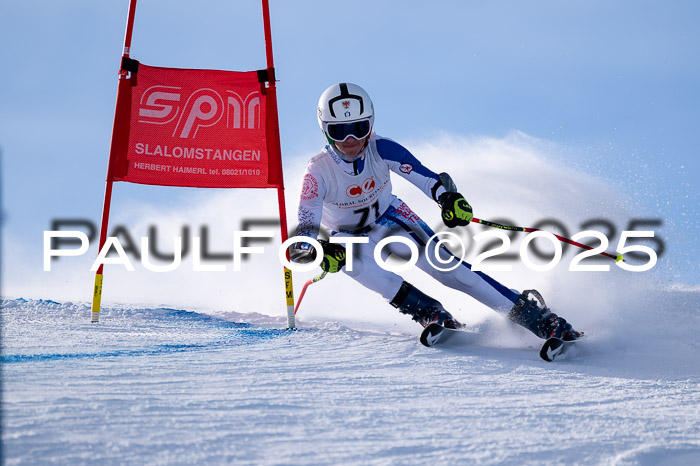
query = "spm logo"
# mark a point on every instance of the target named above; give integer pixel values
(166, 105)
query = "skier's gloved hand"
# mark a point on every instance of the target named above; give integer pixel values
(456, 211)
(333, 256)
(302, 253)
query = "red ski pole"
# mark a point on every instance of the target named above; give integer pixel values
(306, 285)
(617, 258)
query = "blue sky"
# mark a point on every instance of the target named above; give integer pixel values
(612, 84)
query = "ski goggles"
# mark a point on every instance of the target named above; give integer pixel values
(339, 132)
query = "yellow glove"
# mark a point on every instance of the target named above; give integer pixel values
(456, 211)
(333, 256)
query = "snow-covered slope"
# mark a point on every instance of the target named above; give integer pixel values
(192, 382)
(167, 386)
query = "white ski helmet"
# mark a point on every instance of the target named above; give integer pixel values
(345, 110)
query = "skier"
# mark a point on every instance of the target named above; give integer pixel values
(347, 187)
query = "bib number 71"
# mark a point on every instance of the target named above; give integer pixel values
(364, 214)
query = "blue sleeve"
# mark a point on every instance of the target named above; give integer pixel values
(406, 165)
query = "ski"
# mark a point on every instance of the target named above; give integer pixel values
(554, 348)
(435, 334)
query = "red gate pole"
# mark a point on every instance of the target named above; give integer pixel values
(277, 153)
(97, 290)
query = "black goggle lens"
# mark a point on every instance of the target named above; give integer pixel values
(341, 131)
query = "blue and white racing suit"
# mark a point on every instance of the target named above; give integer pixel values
(355, 199)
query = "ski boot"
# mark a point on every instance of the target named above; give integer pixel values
(540, 320)
(423, 309)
